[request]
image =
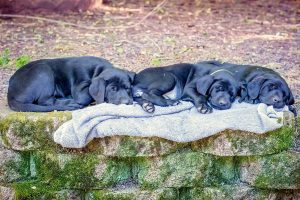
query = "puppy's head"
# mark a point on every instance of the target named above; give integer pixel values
(221, 90)
(112, 86)
(271, 90)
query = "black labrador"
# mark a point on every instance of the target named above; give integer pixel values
(211, 87)
(68, 84)
(260, 85)
(162, 86)
(165, 86)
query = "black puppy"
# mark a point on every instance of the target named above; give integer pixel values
(260, 85)
(161, 86)
(211, 87)
(68, 84)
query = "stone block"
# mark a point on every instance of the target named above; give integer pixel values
(278, 171)
(185, 169)
(14, 166)
(84, 171)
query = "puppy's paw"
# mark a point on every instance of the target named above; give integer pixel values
(176, 103)
(172, 102)
(204, 109)
(74, 106)
(148, 107)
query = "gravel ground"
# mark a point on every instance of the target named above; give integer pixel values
(263, 33)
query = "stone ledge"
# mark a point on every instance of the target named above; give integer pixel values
(34, 131)
(177, 170)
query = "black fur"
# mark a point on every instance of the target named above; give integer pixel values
(211, 87)
(152, 84)
(68, 84)
(190, 82)
(260, 84)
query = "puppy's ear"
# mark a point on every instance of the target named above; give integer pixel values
(254, 86)
(243, 92)
(203, 84)
(131, 76)
(234, 87)
(289, 100)
(97, 89)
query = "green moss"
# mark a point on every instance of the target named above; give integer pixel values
(230, 143)
(109, 195)
(185, 169)
(224, 171)
(116, 171)
(34, 190)
(127, 147)
(83, 171)
(16, 168)
(29, 131)
(279, 171)
(268, 143)
(70, 171)
(134, 193)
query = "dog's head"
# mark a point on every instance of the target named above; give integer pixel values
(221, 89)
(271, 90)
(112, 86)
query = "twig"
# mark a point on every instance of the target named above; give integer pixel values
(87, 27)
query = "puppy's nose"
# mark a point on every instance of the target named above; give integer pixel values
(275, 99)
(222, 102)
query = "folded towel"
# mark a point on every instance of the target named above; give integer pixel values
(181, 123)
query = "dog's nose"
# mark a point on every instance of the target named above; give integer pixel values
(275, 99)
(222, 102)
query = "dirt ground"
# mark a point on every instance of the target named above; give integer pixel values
(263, 33)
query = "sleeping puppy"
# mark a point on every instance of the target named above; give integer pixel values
(68, 84)
(260, 85)
(211, 87)
(162, 86)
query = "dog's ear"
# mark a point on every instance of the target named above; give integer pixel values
(289, 98)
(203, 84)
(254, 86)
(234, 86)
(243, 92)
(131, 76)
(97, 89)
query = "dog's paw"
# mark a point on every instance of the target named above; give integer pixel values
(176, 103)
(172, 102)
(148, 107)
(204, 109)
(74, 106)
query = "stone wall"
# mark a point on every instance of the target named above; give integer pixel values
(230, 165)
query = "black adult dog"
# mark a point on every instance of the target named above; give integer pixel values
(68, 84)
(211, 87)
(165, 86)
(260, 84)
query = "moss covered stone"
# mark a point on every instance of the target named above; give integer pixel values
(32, 190)
(30, 131)
(237, 192)
(80, 170)
(278, 171)
(185, 169)
(126, 146)
(133, 194)
(240, 143)
(14, 166)
(7, 193)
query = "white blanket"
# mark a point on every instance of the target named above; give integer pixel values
(181, 123)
